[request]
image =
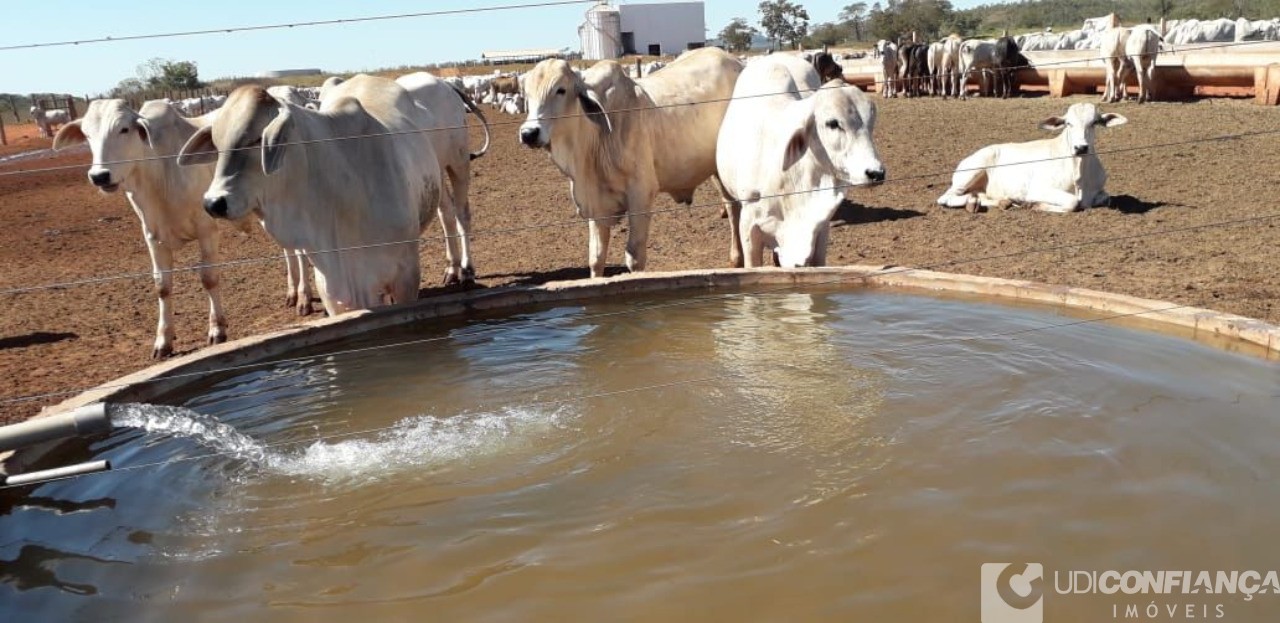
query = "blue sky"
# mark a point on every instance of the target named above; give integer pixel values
(89, 69)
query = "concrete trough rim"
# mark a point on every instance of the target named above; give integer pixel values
(153, 381)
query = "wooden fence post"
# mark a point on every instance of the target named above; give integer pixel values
(3, 139)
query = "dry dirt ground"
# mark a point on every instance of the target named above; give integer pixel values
(59, 229)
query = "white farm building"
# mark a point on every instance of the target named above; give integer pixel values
(654, 29)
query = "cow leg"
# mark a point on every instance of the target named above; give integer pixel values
(209, 279)
(970, 177)
(447, 213)
(162, 273)
(298, 258)
(1053, 200)
(752, 242)
(733, 210)
(460, 181)
(598, 244)
(291, 293)
(639, 217)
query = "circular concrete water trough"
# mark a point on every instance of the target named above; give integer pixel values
(1225, 330)
(740, 445)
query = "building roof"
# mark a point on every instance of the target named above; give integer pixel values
(506, 54)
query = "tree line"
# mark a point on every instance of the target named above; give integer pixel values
(786, 23)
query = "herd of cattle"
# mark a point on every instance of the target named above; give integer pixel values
(944, 68)
(348, 181)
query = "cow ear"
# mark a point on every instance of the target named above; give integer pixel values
(1053, 124)
(1111, 120)
(68, 135)
(199, 149)
(146, 132)
(594, 109)
(798, 144)
(274, 140)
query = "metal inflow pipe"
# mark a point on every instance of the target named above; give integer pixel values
(86, 420)
(56, 473)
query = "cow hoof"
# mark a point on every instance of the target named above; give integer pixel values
(305, 309)
(291, 300)
(451, 278)
(217, 338)
(162, 352)
(469, 274)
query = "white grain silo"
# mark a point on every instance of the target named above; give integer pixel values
(601, 33)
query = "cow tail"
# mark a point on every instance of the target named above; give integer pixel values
(475, 110)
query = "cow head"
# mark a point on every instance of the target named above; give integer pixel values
(117, 136)
(553, 91)
(247, 143)
(1078, 126)
(835, 126)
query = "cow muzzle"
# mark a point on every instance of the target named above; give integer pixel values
(1081, 150)
(216, 206)
(102, 179)
(531, 136)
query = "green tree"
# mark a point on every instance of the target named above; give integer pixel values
(854, 15)
(161, 73)
(737, 35)
(784, 21)
(828, 35)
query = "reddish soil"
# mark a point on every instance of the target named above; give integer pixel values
(59, 229)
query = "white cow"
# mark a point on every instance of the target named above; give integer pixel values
(888, 53)
(1060, 174)
(356, 206)
(1203, 31)
(133, 152)
(622, 141)
(977, 56)
(934, 83)
(1141, 49)
(449, 106)
(48, 121)
(788, 149)
(952, 83)
(1114, 59)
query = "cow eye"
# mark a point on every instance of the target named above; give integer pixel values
(124, 130)
(833, 124)
(560, 91)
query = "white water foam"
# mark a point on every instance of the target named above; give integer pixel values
(415, 442)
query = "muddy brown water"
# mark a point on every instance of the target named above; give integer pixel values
(821, 455)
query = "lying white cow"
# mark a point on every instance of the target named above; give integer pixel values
(133, 151)
(787, 152)
(622, 141)
(1060, 174)
(48, 121)
(355, 206)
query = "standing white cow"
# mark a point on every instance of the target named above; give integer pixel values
(355, 205)
(48, 121)
(449, 106)
(622, 141)
(788, 148)
(133, 151)
(1060, 174)
(888, 53)
(977, 56)
(952, 83)
(1114, 59)
(1141, 50)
